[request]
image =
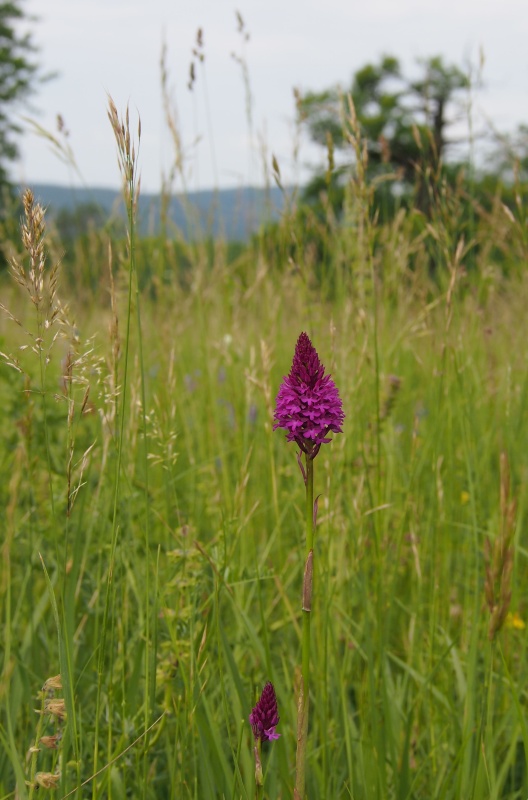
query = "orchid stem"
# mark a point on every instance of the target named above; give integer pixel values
(259, 777)
(308, 407)
(304, 689)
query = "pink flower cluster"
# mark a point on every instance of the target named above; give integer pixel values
(265, 717)
(308, 405)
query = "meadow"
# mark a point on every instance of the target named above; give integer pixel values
(153, 523)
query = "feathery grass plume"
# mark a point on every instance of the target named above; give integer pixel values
(58, 141)
(499, 557)
(308, 407)
(177, 170)
(126, 154)
(53, 322)
(33, 230)
(263, 719)
(40, 283)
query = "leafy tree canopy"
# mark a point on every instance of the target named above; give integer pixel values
(19, 72)
(403, 122)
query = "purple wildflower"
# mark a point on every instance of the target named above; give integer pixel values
(264, 718)
(308, 405)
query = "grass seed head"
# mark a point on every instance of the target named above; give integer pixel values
(499, 557)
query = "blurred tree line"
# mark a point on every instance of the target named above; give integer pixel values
(399, 141)
(394, 143)
(406, 127)
(19, 75)
(403, 125)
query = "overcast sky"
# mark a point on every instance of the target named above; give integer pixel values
(114, 46)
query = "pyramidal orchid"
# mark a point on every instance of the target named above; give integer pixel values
(308, 408)
(308, 405)
(263, 719)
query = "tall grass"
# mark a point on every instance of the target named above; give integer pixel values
(152, 528)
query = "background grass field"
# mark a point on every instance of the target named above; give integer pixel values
(153, 521)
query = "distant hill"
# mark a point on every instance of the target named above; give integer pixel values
(234, 214)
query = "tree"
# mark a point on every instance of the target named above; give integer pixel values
(402, 122)
(509, 159)
(79, 221)
(18, 74)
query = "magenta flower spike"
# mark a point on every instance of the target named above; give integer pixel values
(308, 405)
(264, 718)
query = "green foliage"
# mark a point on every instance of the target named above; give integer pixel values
(79, 221)
(18, 75)
(153, 520)
(152, 546)
(402, 123)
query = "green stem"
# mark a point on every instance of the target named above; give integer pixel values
(304, 689)
(259, 776)
(127, 165)
(35, 749)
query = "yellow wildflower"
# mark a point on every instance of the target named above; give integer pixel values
(515, 621)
